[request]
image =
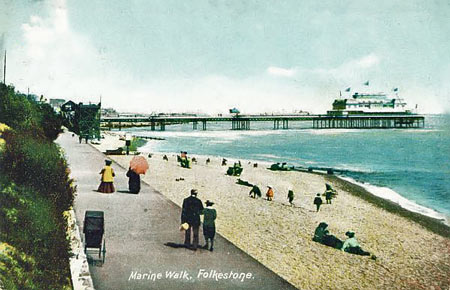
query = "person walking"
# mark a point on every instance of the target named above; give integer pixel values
(328, 196)
(290, 196)
(107, 179)
(318, 202)
(209, 225)
(190, 214)
(134, 181)
(269, 193)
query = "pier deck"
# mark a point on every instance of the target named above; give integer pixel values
(243, 122)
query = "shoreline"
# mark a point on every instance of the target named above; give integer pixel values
(435, 225)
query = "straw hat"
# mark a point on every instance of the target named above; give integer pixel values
(184, 227)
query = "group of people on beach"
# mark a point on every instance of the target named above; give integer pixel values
(350, 245)
(329, 194)
(256, 192)
(193, 208)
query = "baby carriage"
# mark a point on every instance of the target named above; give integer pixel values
(93, 229)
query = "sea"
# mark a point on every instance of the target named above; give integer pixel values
(408, 166)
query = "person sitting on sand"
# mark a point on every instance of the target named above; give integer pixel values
(269, 193)
(255, 191)
(322, 235)
(290, 196)
(351, 245)
(224, 162)
(318, 202)
(320, 232)
(275, 166)
(165, 158)
(209, 225)
(208, 161)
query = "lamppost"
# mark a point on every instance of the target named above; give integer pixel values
(128, 138)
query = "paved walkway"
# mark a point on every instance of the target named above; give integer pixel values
(136, 228)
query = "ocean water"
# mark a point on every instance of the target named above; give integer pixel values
(408, 166)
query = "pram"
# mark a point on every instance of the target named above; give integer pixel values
(93, 229)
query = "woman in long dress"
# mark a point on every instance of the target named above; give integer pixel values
(134, 181)
(107, 179)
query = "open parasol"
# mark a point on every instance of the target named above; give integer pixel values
(139, 164)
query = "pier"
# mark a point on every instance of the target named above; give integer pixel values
(243, 122)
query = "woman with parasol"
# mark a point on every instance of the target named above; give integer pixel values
(138, 165)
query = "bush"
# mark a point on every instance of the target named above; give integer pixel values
(26, 115)
(39, 165)
(16, 269)
(28, 221)
(135, 144)
(35, 190)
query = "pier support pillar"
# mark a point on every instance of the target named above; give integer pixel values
(194, 125)
(204, 125)
(276, 124)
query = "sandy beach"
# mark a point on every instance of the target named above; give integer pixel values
(409, 255)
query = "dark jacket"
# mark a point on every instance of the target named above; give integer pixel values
(318, 200)
(134, 181)
(192, 208)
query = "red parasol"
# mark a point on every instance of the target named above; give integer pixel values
(139, 164)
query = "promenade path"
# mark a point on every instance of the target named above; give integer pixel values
(136, 228)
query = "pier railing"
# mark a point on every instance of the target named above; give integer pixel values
(243, 122)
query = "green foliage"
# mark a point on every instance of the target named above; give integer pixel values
(50, 122)
(135, 144)
(35, 190)
(27, 115)
(39, 165)
(30, 223)
(16, 269)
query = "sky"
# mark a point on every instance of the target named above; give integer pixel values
(208, 56)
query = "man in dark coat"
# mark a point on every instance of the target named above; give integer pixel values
(190, 214)
(318, 201)
(134, 181)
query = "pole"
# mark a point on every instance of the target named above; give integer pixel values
(4, 69)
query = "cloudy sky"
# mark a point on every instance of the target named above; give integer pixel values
(209, 56)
